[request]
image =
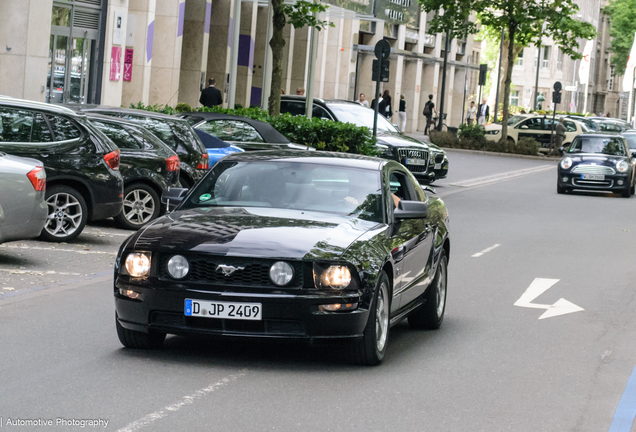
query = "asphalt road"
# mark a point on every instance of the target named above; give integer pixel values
(493, 366)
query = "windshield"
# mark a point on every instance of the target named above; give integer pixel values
(631, 140)
(291, 185)
(599, 145)
(360, 115)
(515, 119)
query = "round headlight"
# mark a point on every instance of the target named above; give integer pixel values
(336, 276)
(622, 166)
(138, 264)
(566, 163)
(281, 273)
(178, 267)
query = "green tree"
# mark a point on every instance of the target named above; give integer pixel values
(525, 22)
(623, 15)
(300, 14)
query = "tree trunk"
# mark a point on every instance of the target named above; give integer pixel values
(504, 67)
(277, 43)
(512, 27)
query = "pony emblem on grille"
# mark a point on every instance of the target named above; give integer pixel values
(227, 270)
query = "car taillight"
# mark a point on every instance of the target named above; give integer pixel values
(112, 159)
(173, 163)
(205, 162)
(37, 176)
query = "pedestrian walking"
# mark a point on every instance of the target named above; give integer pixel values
(429, 107)
(211, 96)
(363, 101)
(402, 114)
(471, 113)
(385, 107)
(483, 112)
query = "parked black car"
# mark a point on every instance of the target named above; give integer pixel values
(147, 165)
(427, 162)
(290, 245)
(82, 164)
(176, 133)
(241, 132)
(596, 161)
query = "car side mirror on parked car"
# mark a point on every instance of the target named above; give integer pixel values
(172, 197)
(411, 210)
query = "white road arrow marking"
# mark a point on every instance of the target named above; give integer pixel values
(538, 287)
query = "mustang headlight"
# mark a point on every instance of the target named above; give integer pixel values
(178, 267)
(137, 264)
(622, 166)
(334, 277)
(281, 273)
(566, 163)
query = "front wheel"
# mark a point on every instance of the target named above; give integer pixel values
(560, 189)
(67, 214)
(139, 340)
(371, 348)
(431, 314)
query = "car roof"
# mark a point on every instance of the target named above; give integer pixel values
(110, 119)
(42, 106)
(268, 132)
(304, 156)
(598, 135)
(319, 100)
(140, 112)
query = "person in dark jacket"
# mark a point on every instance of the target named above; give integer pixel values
(211, 96)
(385, 107)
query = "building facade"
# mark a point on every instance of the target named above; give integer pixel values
(122, 52)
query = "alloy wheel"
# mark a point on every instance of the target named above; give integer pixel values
(139, 206)
(382, 317)
(65, 215)
(441, 290)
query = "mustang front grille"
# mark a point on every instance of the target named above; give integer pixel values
(593, 169)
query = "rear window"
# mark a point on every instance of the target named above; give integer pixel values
(613, 146)
(63, 128)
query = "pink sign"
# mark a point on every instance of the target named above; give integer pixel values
(128, 62)
(115, 64)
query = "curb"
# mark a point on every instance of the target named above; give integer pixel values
(510, 155)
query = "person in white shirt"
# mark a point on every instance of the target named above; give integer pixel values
(471, 113)
(363, 101)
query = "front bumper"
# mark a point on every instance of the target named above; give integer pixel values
(614, 182)
(284, 316)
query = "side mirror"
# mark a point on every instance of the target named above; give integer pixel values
(172, 197)
(429, 189)
(411, 210)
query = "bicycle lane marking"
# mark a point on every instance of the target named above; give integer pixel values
(626, 410)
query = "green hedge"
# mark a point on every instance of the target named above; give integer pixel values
(473, 138)
(321, 134)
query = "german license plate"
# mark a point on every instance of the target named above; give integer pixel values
(592, 176)
(225, 310)
(415, 161)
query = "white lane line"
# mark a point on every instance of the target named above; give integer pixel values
(485, 251)
(186, 400)
(83, 252)
(503, 176)
(38, 272)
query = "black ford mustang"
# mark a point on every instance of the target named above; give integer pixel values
(597, 161)
(294, 244)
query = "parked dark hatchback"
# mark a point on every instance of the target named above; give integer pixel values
(147, 165)
(292, 245)
(176, 133)
(597, 161)
(81, 163)
(427, 162)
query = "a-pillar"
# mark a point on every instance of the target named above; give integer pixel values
(194, 50)
(140, 38)
(166, 52)
(245, 69)
(24, 48)
(112, 83)
(221, 25)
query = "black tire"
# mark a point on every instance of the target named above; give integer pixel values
(371, 348)
(67, 214)
(139, 340)
(431, 314)
(560, 189)
(632, 190)
(627, 192)
(135, 212)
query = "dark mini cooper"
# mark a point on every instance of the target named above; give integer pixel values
(289, 245)
(598, 162)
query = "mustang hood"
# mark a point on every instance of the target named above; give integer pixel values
(253, 232)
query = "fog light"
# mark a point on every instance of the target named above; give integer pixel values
(337, 307)
(620, 182)
(130, 294)
(565, 179)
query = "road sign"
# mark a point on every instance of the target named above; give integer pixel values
(382, 49)
(570, 88)
(384, 73)
(558, 86)
(538, 287)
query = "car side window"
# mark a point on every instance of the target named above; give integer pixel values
(15, 125)
(399, 187)
(548, 123)
(532, 123)
(231, 130)
(119, 135)
(320, 112)
(41, 131)
(419, 193)
(570, 126)
(63, 128)
(292, 107)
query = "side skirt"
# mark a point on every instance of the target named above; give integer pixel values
(405, 312)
